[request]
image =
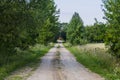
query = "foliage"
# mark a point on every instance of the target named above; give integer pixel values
(75, 30)
(62, 31)
(112, 13)
(63, 28)
(23, 23)
(95, 33)
(23, 58)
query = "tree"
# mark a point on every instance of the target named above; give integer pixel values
(62, 32)
(75, 30)
(95, 33)
(24, 23)
(47, 19)
(112, 13)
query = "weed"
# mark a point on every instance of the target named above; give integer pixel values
(97, 60)
(16, 78)
(22, 58)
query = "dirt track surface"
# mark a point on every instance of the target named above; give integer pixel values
(60, 64)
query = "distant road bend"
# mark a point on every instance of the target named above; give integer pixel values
(60, 64)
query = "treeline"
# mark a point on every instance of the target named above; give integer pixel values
(108, 33)
(95, 33)
(24, 23)
(77, 33)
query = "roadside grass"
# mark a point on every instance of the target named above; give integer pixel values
(97, 60)
(23, 58)
(16, 78)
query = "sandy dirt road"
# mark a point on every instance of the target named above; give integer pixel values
(60, 64)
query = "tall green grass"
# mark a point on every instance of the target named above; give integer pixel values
(98, 61)
(23, 58)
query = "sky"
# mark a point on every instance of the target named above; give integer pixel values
(87, 9)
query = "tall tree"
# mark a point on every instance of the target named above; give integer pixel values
(112, 13)
(25, 22)
(47, 19)
(75, 30)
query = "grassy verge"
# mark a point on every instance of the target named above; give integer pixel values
(98, 61)
(23, 58)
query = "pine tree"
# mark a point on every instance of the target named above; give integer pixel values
(75, 30)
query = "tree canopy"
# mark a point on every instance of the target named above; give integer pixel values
(95, 33)
(75, 30)
(24, 23)
(112, 15)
